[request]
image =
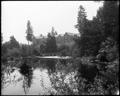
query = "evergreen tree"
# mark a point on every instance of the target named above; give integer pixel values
(51, 46)
(110, 16)
(90, 34)
(29, 32)
(81, 20)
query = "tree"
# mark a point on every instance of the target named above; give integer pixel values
(5, 46)
(42, 48)
(100, 35)
(29, 32)
(14, 52)
(90, 34)
(13, 42)
(64, 50)
(41, 36)
(110, 16)
(51, 46)
(23, 50)
(10, 48)
(53, 32)
(81, 20)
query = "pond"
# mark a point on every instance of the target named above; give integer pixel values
(30, 80)
(53, 78)
(37, 83)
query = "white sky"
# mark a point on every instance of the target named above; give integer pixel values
(43, 15)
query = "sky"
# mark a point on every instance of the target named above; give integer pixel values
(43, 15)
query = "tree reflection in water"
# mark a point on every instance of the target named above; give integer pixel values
(50, 64)
(27, 72)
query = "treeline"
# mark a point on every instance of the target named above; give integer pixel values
(93, 34)
(53, 44)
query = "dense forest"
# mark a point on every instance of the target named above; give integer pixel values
(95, 50)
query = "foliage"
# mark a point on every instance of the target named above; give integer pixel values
(23, 50)
(81, 20)
(29, 36)
(65, 44)
(95, 31)
(110, 47)
(10, 49)
(13, 42)
(106, 82)
(112, 55)
(110, 16)
(64, 84)
(65, 39)
(14, 52)
(51, 46)
(109, 80)
(29, 31)
(91, 35)
(35, 50)
(63, 50)
(42, 48)
(96, 88)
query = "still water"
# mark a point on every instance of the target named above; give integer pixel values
(38, 83)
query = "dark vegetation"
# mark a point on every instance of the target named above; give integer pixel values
(95, 52)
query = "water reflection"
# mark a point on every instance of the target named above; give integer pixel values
(27, 72)
(12, 83)
(27, 80)
(35, 82)
(50, 64)
(41, 82)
